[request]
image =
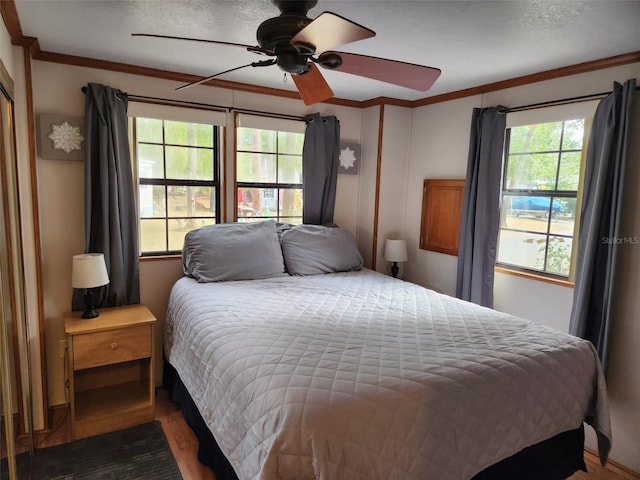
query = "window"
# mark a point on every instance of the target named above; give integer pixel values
(541, 184)
(178, 174)
(269, 175)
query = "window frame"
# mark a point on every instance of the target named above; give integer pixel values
(165, 182)
(277, 186)
(542, 274)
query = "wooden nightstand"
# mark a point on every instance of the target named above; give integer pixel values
(111, 375)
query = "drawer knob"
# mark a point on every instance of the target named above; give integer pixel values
(113, 346)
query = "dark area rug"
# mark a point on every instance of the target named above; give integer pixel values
(136, 453)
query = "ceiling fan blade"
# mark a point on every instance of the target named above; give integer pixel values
(329, 30)
(262, 63)
(409, 75)
(312, 86)
(251, 48)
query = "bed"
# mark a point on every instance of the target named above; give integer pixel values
(353, 374)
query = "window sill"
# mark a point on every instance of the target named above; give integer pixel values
(152, 258)
(533, 276)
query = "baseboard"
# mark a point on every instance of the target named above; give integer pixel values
(613, 466)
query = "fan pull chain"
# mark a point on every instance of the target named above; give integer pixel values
(284, 78)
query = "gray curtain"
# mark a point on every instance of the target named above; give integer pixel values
(320, 168)
(481, 207)
(110, 209)
(600, 218)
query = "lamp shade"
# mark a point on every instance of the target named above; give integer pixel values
(89, 271)
(395, 250)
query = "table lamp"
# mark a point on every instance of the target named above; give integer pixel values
(395, 250)
(88, 272)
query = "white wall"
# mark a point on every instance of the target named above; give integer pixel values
(57, 89)
(396, 141)
(439, 149)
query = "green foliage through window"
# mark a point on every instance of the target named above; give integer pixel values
(269, 175)
(178, 181)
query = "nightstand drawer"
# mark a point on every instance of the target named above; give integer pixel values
(111, 346)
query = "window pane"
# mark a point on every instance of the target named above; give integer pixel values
(559, 255)
(153, 236)
(192, 134)
(541, 137)
(149, 130)
(256, 168)
(246, 205)
(563, 222)
(289, 169)
(259, 202)
(532, 172)
(179, 227)
(569, 176)
(532, 206)
(290, 142)
(522, 249)
(187, 201)
(152, 201)
(291, 220)
(523, 219)
(256, 140)
(290, 202)
(189, 163)
(150, 163)
(573, 134)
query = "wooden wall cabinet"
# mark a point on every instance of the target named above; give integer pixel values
(441, 214)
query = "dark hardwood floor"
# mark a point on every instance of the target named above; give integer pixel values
(184, 445)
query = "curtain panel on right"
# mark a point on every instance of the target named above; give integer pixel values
(600, 218)
(320, 159)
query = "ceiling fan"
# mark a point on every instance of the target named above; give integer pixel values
(298, 44)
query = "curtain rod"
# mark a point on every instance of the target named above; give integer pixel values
(210, 105)
(561, 101)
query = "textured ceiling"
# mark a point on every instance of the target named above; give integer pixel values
(472, 42)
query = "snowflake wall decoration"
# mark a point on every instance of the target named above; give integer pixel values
(66, 137)
(347, 158)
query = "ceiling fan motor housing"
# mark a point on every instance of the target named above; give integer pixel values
(276, 33)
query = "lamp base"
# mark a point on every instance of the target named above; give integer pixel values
(395, 270)
(90, 313)
(89, 305)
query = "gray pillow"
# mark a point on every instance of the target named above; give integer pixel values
(233, 251)
(314, 249)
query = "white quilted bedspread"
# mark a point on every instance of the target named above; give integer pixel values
(361, 376)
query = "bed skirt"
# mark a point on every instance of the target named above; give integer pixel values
(554, 459)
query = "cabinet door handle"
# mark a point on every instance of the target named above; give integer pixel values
(113, 346)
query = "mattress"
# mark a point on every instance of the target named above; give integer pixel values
(361, 376)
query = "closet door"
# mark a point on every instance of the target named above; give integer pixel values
(14, 345)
